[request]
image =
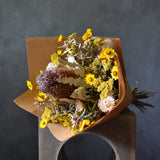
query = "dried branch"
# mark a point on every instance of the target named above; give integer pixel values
(138, 96)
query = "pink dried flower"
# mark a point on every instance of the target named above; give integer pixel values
(106, 104)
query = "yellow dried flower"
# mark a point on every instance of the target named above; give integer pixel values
(90, 79)
(110, 83)
(52, 119)
(101, 86)
(37, 88)
(64, 120)
(89, 42)
(54, 105)
(72, 46)
(107, 53)
(73, 35)
(41, 96)
(87, 35)
(71, 51)
(46, 114)
(102, 54)
(97, 82)
(83, 123)
(67, 124)
(98, 42)
(48, 110)
(104, 93)
(59, 52)
(75, 130)
(114, 72)
(43, 123)
(60, 38)
(84, 37)
(115, 63)
(89, 30)
(105, 88)
(54, 58)
(40, 71)
(106, 65)
(92, 122)
(29, 84)
(96, 62)
(94, 66)
(59, 119)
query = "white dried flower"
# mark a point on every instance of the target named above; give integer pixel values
(50, 66)
(88, 40)
(79, 105)
(108, 43)
(106, 104)
(71, 59)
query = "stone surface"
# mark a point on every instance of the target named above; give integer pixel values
(119, 133)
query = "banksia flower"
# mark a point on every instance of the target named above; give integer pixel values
(47, 82)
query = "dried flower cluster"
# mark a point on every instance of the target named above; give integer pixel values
(80, 84)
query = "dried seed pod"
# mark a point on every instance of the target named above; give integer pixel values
(79, 105)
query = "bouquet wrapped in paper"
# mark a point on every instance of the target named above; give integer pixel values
(75, 82)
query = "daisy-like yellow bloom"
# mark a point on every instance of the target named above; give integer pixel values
(54, 58)
(59, 52)
(114, 72)
(85, 122)
(84, 37)
(107, 53)
(90, 79)
(41, 96)
(87, 35)
(102, 54)
(43, 123)
(60, 38)
(29, 84)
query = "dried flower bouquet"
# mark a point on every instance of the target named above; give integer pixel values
(83, 84)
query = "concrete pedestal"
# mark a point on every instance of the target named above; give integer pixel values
(119, 133)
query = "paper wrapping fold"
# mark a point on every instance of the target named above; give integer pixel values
(39, 51)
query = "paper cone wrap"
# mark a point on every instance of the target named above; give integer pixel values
(39, 52)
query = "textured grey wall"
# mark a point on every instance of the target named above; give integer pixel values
(135, 22)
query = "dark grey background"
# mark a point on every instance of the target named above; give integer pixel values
(137, 23)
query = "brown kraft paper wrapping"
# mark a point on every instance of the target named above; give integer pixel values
(39, 51)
